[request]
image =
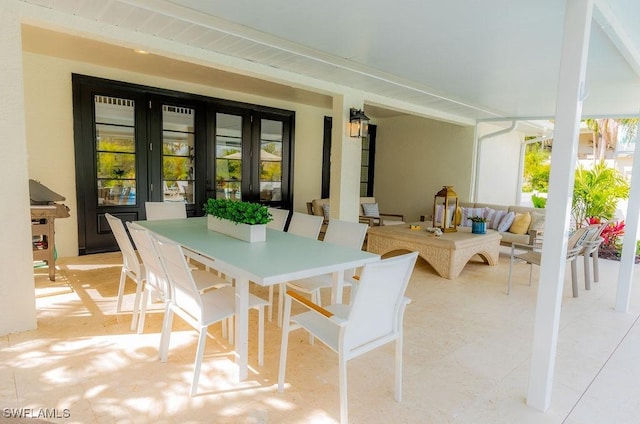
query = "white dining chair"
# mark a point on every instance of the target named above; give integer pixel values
(131, 266)
(373, 319)
(156, 283)
(303, 225)
(341, 233)
(165, 210)
(279, 220)
(198, 309)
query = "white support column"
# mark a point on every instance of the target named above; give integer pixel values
(577, 26)
(346, 157)
(17, 296)
(627, 261)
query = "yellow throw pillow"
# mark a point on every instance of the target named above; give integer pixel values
(520, 223)
(458, 216)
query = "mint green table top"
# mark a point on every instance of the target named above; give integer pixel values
(282, 257)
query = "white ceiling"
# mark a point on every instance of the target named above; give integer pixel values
(465, 58)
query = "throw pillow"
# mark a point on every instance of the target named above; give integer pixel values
(506, 221)
(520, 223)
(537, 221)
(468, 213)
(326, 211)
(371, 209)
(493, 217)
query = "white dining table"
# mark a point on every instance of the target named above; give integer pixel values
(282, 257)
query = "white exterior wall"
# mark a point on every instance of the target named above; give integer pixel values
(499, 170)
(49, 111)
(17, 295)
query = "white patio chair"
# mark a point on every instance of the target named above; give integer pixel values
(590, 246)
(156, 278)
(280, 217)
(342, 233)
(373, 319)
(533, 256)
(305, 225)
(165, 210)
(301, 225)
(131, 266)
(198, 309)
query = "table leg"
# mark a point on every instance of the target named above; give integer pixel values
(242, 327)
(336, 289)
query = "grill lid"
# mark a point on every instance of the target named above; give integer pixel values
(41, 194)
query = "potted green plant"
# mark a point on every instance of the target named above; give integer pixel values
(478, 224)
(242, 220)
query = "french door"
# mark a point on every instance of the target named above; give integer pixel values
(251, 151)
(135, 144)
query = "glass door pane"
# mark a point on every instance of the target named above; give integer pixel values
(178, 142)
(228, 156)
(115, 151)
(270, 160)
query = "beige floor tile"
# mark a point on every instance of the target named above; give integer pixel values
(466, 359)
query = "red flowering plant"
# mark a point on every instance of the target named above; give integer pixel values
(612, 236)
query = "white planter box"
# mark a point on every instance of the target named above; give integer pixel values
(250, 233)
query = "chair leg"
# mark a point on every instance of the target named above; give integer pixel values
(143, 311)
(398, 363)
(510, 270)
(284, 343)
(123, 278)
(342, 369)
(574, 277)
(202, 339)
(587, 272)
(166, 333)
(136, 305)
(225, 325)
(596, 271)
(163, 333)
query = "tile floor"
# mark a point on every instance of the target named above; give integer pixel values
(467, 350)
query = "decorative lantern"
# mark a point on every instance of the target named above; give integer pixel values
(358, 123)
(445, 206)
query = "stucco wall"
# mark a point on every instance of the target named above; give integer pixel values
(415, 157)
(499, 165)
(49, 125)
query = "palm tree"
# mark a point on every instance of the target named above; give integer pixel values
(606, 134)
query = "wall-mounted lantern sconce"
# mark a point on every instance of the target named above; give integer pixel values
(358, 123)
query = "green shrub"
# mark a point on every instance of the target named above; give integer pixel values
(596, 192)
(538, 201)
(238, 211)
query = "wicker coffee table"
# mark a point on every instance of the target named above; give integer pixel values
(447, 254)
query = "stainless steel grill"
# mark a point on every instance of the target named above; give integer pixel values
(44, 212)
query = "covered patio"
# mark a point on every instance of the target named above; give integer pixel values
(467, 355)
(476, 64)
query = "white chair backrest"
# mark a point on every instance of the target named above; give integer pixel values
(184, 292)
(156, 275)
(347, 234)
(378, 301)
(165, 210)
(129, 257)
(305, 225)
(279, 218)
